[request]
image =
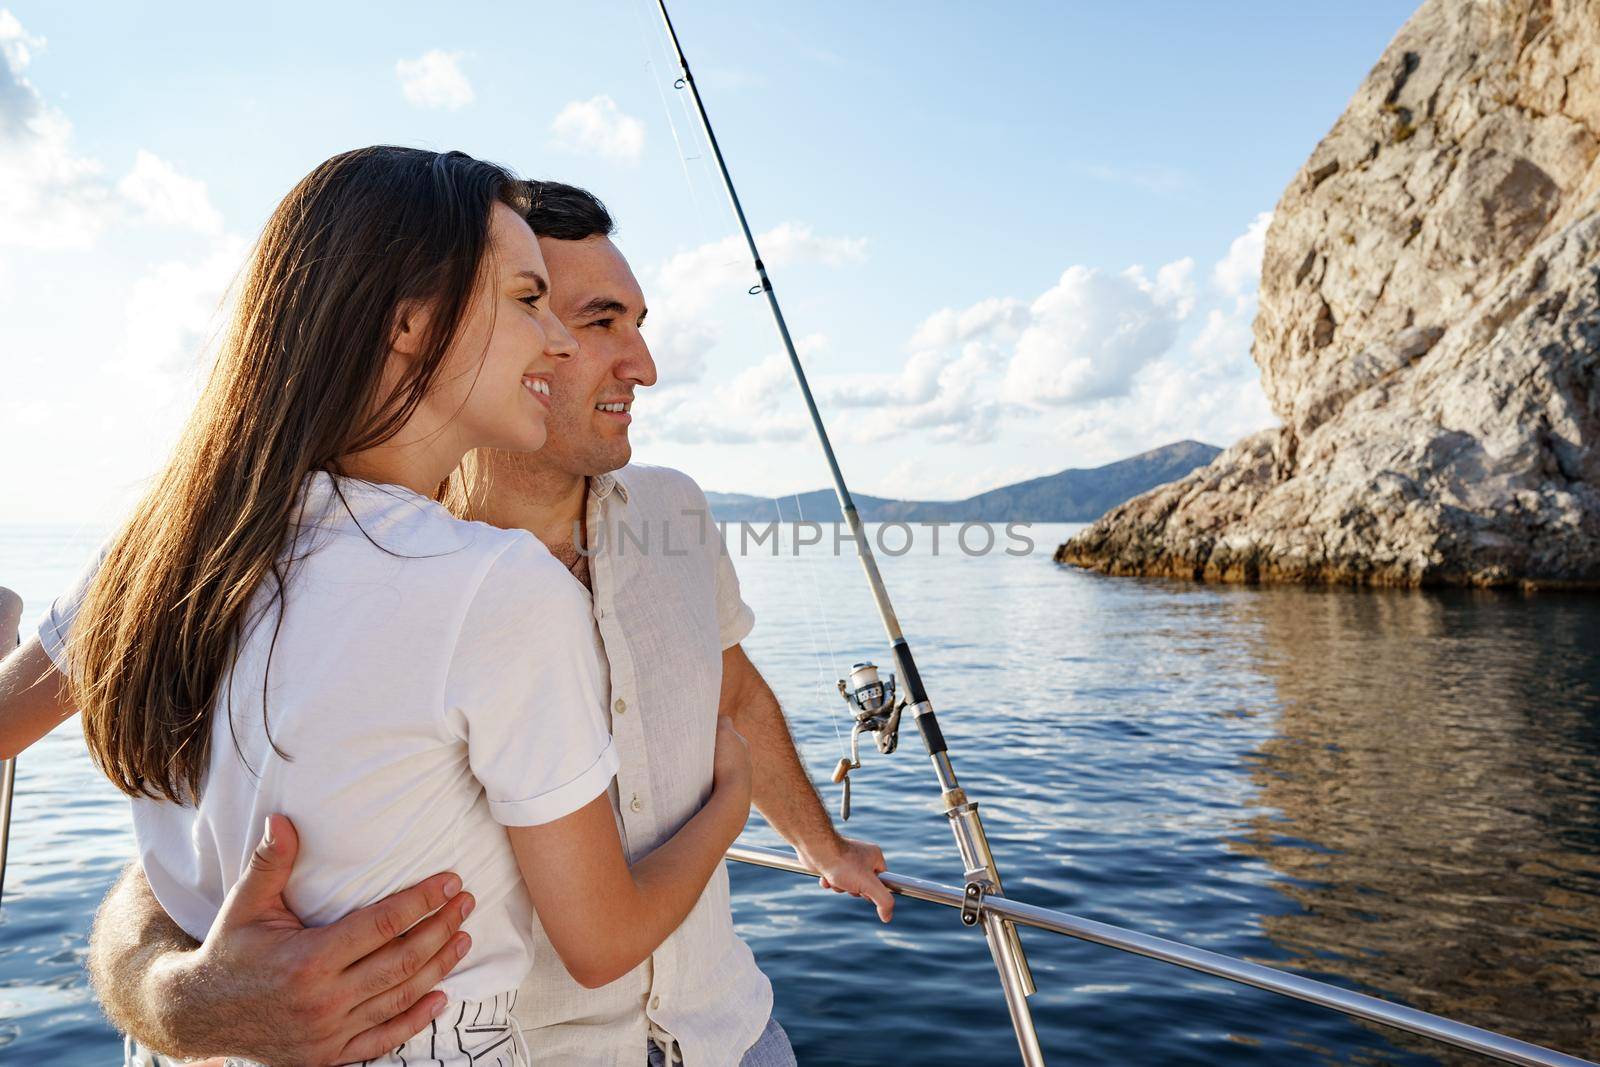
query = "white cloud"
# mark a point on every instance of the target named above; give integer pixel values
(1239, 272)
(689, 281)
(679, 347)
(1100, 352)
(53, 197)
(684, 289)
(16, 48)
(938, 388)
(1209, 390)
(1084, 339)
(755, 405)
(1092, 332)
(597, 127)
(165, 197)
(173, 315)
(50, 197)
(948, 326)
(434, 80)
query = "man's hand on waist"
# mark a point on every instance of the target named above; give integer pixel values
(266, 987)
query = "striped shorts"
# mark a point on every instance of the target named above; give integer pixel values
(470, 1033)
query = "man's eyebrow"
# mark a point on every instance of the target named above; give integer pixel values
(601, 304)
(536, 279)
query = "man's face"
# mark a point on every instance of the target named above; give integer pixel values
(595, 295)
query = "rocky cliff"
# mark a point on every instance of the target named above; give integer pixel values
(1428, 332)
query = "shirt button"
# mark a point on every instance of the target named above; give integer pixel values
(655, 1003)
(620, 706)
(636, 805)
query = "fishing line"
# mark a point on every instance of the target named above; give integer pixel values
(677, 142)
(824, 690)
(816, 611)
(811, 623)
(982, 876)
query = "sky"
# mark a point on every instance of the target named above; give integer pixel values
(1009, 239)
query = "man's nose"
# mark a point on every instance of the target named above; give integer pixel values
(638, 365)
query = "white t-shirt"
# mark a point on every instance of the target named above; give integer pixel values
(424, 693)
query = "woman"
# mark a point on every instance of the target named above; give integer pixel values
(291, 623)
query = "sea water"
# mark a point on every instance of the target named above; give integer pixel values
(1397, 792)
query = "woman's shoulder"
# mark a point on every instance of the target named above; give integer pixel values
(523, 584)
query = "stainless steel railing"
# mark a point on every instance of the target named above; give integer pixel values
(1359, 1005)
(10, 635)
(8, 787)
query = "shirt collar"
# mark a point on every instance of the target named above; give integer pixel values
(601, 486)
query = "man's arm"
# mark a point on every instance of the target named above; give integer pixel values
(784, 794)
(265, 987)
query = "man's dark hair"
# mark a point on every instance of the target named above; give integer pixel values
(567, 213)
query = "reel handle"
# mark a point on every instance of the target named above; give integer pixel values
(841, 772)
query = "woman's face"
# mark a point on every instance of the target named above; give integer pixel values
(493, 390)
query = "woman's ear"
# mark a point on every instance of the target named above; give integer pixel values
(411, 322)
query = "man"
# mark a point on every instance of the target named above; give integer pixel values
(669, 624)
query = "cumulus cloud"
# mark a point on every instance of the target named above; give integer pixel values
(679, 346)
(940, 389)
(690, 281)
(1091, 332)
(50, 196)
(1084, 339)
(1239, 272)
(165, 197)
(173, 313)
(129, 377)
(1120, 361)
(755, 405)
(434, 80)
(1208, 389)
(17, 98)
(682, 291)
(53, 197)
(598, 127)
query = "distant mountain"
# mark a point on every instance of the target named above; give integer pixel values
(1067, 496)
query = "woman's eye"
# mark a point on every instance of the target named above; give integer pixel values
(532, 301)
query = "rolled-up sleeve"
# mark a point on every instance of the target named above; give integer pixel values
(526, 692)
(735, 620)
(56, 624)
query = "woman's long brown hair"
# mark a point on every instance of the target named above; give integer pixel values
(293, 389)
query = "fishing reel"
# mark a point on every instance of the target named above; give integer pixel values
(876, 710)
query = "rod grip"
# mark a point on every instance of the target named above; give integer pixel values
(910, 680)
(917, 697)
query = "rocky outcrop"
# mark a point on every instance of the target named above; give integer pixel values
(1428, 333)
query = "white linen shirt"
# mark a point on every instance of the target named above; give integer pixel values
(666, 601)
(425, 694)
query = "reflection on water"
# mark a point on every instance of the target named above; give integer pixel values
(1432, 792)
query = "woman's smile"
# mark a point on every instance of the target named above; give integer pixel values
(539, 387)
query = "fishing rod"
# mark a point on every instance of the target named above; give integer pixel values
(876, 709)
(1355, 1005)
